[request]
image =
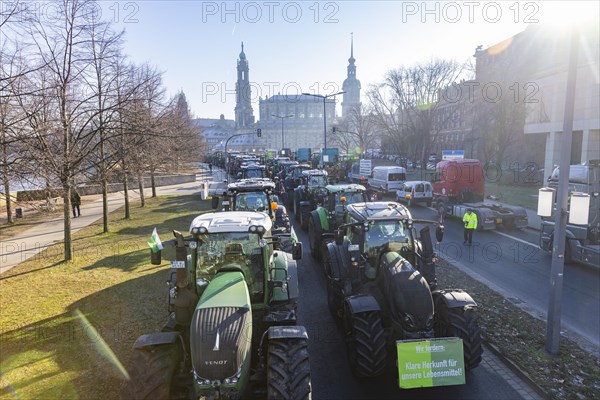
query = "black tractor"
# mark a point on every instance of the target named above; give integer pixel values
(290, 179)
(231, 331)
(309, 195)
(381, 285)
(324, 221)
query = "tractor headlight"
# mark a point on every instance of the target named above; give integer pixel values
(253, 229)
(195, 230)
(227, 381)
(260, 229)
(202, 230)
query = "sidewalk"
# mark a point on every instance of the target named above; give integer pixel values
(46, 233)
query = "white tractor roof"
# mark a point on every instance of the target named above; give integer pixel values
(231, 221)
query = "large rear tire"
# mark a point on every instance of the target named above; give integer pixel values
(365, 344)
(304, 218)
(315, 235)
(152, 374)
(288, 370)
(461, 323)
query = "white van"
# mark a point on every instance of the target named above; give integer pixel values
(415, 192)
(387, 179)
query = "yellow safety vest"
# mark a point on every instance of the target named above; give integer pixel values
(470, 220)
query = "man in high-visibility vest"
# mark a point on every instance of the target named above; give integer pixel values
(470, 221)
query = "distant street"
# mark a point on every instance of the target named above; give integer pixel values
(511, 262)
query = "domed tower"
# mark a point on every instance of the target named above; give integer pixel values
(243, 107)
(351, 85)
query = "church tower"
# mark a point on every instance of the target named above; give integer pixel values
(243, 107)
(351, 85)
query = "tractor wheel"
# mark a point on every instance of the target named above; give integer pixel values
(365, 344)
(315, 234)
(461, 323)
(152, 373)
(304, 217)
(335, 273)
(288, 370)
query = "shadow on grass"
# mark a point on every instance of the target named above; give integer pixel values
(60, 357)
(6, 276)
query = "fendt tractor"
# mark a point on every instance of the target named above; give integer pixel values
(256, 195)
(231, 331)
(381, 284)
(459, 185)
(309, 194)
(582, 241)
(290, 179)
(328, 216)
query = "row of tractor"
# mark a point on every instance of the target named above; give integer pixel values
(233, 290)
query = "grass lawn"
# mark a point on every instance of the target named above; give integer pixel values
(524, 196)
(48, 349)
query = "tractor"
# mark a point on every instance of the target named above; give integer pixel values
(289, 180)
(323, 221)
(256, 195)
(381, 285)
(231, 331)
(309, 194)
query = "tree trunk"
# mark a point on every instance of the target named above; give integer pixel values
(104, 204)
(68, 243)
(153, 183)
(141, 187)
(126, 192)
(8, 200)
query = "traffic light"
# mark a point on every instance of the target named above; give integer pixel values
(258, 132)
(333, 128)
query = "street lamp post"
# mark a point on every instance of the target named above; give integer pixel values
(324, 97)
(282, 117)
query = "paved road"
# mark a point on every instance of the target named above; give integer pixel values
(330, 371)
(511, 263)
(32, 241)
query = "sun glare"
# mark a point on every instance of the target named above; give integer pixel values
(568, 13)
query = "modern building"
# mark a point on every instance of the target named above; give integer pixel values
(545, 115)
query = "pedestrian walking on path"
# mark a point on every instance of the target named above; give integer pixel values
(470, 221)
(75, 203)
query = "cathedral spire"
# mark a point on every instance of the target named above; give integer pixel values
(351, 85)
(351, 59)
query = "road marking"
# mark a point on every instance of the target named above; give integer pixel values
(518, 240)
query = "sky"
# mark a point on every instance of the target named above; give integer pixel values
(303, 46)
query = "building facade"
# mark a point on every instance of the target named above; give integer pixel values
(303, 128)
(545, 116)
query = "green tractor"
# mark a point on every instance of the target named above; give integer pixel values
(309, 194)
(323, 221)
(231, 331)
(381, 284)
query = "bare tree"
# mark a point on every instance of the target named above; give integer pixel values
(63, 46)
(405, 103)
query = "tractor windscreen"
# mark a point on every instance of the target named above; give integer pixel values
(253, 201)
(232, 251)
(392, 233)
(317, 181)
(351, 197)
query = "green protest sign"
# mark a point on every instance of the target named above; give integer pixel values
(427, 363)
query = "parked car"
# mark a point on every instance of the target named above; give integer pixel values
(415, 192)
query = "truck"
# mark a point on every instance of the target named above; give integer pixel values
(459, 185)
(330, 156)
(582, 241)
(303, 154)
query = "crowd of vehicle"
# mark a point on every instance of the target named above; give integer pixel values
(232, 329)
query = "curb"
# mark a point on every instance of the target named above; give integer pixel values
(517, 370)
